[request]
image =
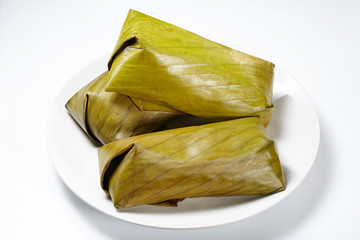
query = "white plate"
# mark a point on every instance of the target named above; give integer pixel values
(294, 127)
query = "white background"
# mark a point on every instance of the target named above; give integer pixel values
(44, 43)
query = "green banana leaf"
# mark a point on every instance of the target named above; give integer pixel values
(227, 158)
(177, 69)
(107, 117)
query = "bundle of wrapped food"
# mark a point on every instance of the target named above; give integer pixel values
(107, 116)
(158, 71)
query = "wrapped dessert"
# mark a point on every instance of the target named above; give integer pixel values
(219, 159)
(107, 116)
(172, 68)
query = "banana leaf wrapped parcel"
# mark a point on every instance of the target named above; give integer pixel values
(107, 116)
(227, 158)
(170, 67)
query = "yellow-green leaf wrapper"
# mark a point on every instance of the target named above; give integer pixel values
(177, 69)
(107, 117)
(219, 159)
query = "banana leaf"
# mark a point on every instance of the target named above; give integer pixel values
(171, 67)
(227, 158)
(107, 117)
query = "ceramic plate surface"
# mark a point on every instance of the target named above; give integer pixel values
(294, 127)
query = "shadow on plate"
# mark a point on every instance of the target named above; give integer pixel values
(193, 205)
